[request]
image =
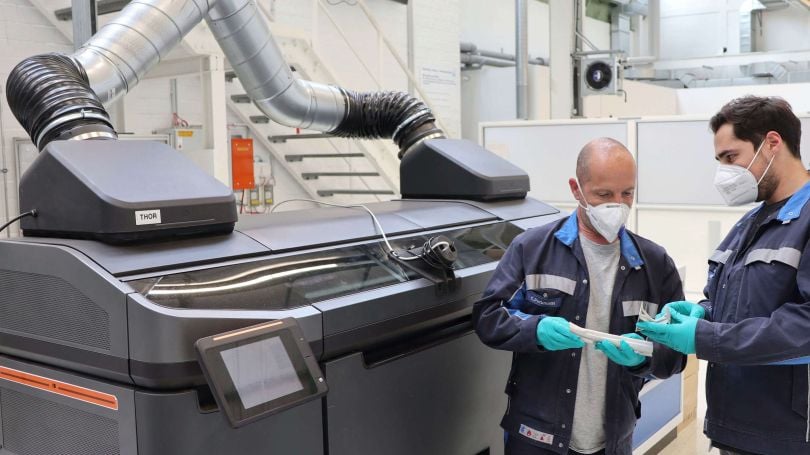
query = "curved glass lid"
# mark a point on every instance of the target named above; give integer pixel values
(299, 280)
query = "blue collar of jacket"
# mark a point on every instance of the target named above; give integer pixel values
(570, 231)
(792, 208)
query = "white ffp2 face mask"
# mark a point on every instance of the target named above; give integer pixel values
(607, 218)
(737, 184)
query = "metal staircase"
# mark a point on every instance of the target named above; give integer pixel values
(323, 165)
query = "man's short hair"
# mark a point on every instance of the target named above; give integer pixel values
(752, 117)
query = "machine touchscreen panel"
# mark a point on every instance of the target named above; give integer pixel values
(260, 370)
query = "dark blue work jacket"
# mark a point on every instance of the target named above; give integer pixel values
(543, 273)
(759, 304)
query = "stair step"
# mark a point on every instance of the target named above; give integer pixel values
(241, 98)
(280, 138)
(327, 193)
(315, 175)
(299, 157)
(259, 119)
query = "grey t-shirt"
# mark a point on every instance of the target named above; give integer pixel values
(588, 433)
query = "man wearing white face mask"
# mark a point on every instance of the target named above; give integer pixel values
(754, 325)
(567, 397)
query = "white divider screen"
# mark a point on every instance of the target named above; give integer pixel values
(548, 151)
(676, 163)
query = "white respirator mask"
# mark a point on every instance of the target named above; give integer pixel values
(737, 184)
(607, 218)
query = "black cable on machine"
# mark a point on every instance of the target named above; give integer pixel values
(438, 252)
(32, 213)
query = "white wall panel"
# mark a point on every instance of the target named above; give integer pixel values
(676, 163)
(696, 35)
(707, 101)
(548, 151)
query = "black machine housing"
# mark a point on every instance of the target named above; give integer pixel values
(122, 191)
(459, 169)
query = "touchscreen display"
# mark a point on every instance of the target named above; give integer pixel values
(261, 371)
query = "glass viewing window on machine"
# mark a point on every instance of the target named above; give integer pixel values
(302, 279)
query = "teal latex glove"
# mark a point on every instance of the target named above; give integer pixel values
(678, 334)
(685, 308)
(554, 334)
(624, 355)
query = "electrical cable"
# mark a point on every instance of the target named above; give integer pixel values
(32, 213)
(353, 206)
(437, 251)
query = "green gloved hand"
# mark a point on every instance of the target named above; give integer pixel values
(678, 334)
(624, 355)
(554, 334)
(685, 308)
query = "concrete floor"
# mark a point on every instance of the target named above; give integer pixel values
(692, 441)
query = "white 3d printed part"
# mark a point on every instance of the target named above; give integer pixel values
(663, 318)
(641, 347)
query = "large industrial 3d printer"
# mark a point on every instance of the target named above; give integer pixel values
(137, 316)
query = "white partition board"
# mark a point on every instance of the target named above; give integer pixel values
(689, 235)
(548, 151)
(676, 162)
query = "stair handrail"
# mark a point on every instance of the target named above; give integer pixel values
(391, 182)
(400, 61)
(349, 44)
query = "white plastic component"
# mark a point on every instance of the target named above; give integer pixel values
(641, 347)
(664, 318)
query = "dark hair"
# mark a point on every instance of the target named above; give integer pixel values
(753, 117)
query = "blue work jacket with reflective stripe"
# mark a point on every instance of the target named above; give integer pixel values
(543, 273)
(758, 302)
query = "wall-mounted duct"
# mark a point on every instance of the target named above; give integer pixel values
(620, 16)
(747, 10)
(119, 55)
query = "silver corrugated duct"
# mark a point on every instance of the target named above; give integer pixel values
(264, 73)
(116, 58)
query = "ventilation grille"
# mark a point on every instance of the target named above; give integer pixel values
(50, 307)
(33, 426)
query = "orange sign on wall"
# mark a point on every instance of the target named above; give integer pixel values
(242, 163)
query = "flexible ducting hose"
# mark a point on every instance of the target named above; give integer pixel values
(395, 115)
(50, 96)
